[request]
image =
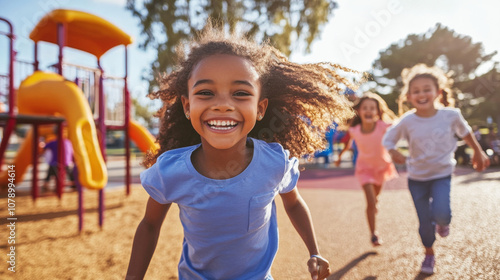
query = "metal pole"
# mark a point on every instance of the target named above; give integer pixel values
(81, 209)
(12, 99)
(11, 121)
(35, 63)
(102, 112)
(61, 36)
(34, 178)
(127, 126)
(102, 142)
(61, 165)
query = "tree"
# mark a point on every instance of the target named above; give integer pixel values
(443, 47)
(166, 23)
(484, 92)
(143, 112)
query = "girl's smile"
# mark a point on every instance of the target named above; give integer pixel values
(224, 100)
(222, 125)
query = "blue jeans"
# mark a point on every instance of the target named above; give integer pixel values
(432, 202)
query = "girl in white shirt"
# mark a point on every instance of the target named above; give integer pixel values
(431, 134)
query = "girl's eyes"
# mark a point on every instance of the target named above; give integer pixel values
(424, 90)
(209, 93)
(241, 93)
(204, 92)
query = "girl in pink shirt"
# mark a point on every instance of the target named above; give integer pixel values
(373, 165)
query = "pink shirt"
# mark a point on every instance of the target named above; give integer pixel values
(374, 164)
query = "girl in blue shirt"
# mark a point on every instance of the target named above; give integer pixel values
(232, 127)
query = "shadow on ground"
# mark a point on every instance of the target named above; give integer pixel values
(341, 272)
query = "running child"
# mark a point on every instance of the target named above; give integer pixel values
(235, 117)
(431, 131)
(373, 165)
(51, 156)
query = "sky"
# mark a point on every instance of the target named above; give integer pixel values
(354, 36)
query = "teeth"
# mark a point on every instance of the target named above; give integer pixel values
(221, 127)
(218, 124)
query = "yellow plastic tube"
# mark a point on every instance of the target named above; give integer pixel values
(144, 140)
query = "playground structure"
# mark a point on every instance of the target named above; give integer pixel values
(53, 98)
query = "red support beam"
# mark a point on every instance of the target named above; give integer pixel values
(35, 62)
(61, 41)
(34, 179)
(61, 164)
(11, 122)
(127, 126)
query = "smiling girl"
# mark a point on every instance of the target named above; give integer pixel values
(431, 132)
(374, 165)
(235, 117)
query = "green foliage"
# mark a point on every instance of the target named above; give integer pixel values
(484, 94)
(451, 51)
(166, 23)
(143, 112)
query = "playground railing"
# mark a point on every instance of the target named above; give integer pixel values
(115, 100)
(87, 79)
(4, 89)
(23, 69)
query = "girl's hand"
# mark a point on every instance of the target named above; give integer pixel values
(319, 267)
(397, 157)
(337, 163)
(480, 160)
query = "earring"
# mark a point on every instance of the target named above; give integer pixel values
(187, 116)
(259, 117)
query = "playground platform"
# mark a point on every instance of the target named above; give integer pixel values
(116, 173)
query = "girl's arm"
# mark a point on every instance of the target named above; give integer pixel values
(480, 160)
(299, 215)
(145, 239)
(389, 141)
(346, 147)
(397, 157)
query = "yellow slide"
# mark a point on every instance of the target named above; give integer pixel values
(50, 94)
(144, 140)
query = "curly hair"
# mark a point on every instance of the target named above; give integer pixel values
(303, 99)
(441, 80)
(384, 113)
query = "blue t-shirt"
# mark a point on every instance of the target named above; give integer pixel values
(230, 227)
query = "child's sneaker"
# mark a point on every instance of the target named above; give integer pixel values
(376, 241)
(443, 231)
(428, 264)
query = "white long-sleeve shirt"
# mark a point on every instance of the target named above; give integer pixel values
(431, 142)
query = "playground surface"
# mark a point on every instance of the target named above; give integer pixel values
(49, 246)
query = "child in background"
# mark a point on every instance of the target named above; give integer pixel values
(374, 165)
(234, 113)
(51, 157)
(431, 132)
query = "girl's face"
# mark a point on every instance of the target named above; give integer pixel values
(422, 93)
(223, 100)
(368, 111)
